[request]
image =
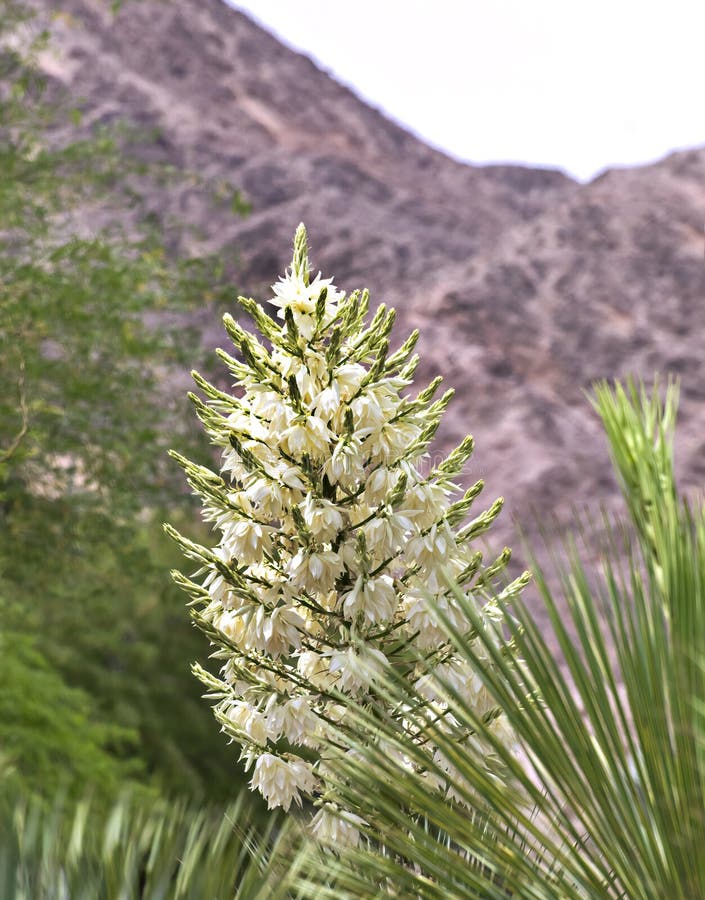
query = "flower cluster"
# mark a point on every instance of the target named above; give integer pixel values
(334, 532)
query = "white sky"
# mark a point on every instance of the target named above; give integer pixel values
(577, 84)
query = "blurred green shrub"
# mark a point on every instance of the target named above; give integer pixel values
(96, 646)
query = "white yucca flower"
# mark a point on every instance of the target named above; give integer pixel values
(334, 532)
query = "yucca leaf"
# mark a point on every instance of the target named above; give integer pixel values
(607, 799)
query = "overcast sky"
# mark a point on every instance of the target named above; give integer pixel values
(568, 83)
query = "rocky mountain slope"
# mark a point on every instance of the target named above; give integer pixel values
(526, 285)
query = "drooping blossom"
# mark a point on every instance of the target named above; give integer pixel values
(333, 531)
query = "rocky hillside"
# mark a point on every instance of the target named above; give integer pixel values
(526, 285)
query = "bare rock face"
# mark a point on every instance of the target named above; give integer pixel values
(526, 285)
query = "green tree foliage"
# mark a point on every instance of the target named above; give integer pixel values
(87, 341)
(47, 726)
(609, 800)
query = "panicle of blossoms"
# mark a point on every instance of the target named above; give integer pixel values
(333, 531)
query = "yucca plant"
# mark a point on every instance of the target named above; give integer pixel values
(138, 850)
(609, 798)
(332, 526)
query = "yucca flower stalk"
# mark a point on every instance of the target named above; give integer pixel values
(333, 527)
